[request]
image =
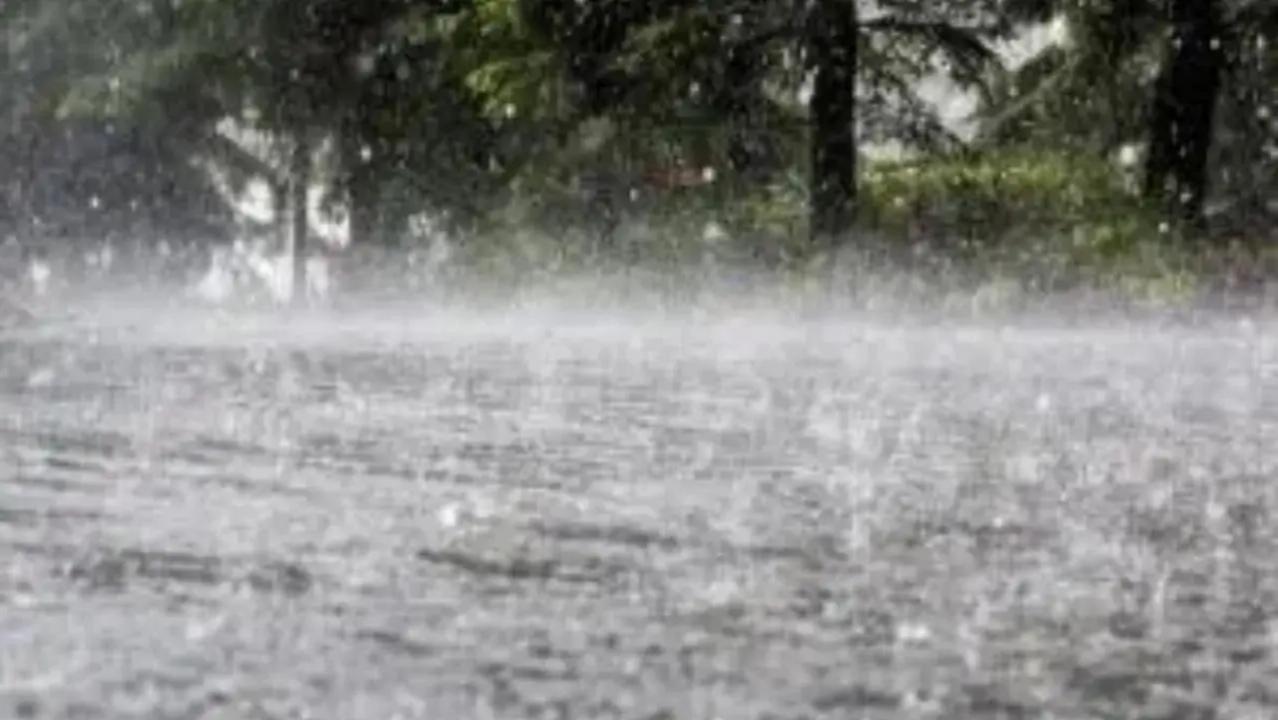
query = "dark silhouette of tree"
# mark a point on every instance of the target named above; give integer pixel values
(833, 38)
(1181, 120)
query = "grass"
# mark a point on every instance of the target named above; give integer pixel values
(976, 234)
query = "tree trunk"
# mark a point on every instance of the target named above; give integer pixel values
(1183, 112)
(279, 211)
(362, 194)
(359, 180)
(739, 99)
(300, 180)
(833, 53)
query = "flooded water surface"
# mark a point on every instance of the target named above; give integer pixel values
(436, 515)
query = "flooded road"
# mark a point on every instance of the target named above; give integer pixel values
(436, 515)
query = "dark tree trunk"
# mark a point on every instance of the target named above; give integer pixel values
(1183, 112)
(738, 99)
(279, 208)
(360, 183)
(362, 195)
(299, 181)
(833, 53)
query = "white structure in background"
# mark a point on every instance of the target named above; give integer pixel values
(244, 271)
(258, 264)
(275, 274)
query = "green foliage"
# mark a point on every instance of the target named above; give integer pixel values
(537, 126)
(1089, 89)
(1052, 220)
(984, 195)
(1094, 89)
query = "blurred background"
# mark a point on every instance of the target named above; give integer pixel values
(1050, 141)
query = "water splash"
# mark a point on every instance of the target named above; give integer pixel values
(402, 507)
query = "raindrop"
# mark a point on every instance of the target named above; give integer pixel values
(1129, 155)
(449, 515)
(714, 232)
(913, 632)
(40, 273)
(42, 377)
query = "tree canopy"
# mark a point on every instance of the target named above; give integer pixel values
(127, 114)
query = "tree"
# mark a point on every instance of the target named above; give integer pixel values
(745, 73)
(1217, 51)
(1084, 89)
(391, 132)
(1181, 121)
(73, 175)
(1151, 73)
(1245, 146)
(833, 41)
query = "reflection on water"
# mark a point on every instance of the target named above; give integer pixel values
(380, 516)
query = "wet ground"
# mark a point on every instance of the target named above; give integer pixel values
(419, 514)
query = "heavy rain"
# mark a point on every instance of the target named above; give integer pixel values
(650, 361)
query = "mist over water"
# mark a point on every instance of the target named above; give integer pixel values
(663, 510)
(545, 360)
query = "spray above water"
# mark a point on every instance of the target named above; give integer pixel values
(242, 272)
(418, 507)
